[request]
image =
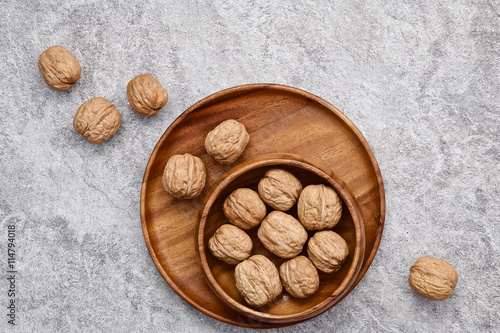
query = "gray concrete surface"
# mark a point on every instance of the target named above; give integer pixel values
(420, 79)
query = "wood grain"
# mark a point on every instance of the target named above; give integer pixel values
(279, 119)
(285, 308)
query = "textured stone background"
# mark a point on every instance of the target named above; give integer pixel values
(420, 79)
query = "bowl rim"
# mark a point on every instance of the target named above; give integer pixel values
(340, 187)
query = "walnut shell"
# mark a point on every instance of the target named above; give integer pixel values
(146, 95)
(319, 207)
(433, 278)
(327, 250)
(282, 234)
(226, 142)
(244, 208)
(257, 280)
(97, 120)
(280, 189)
(230, 244)
(184, 176)
(300, 277)
(59, 68)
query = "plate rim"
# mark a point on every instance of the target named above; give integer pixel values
(244, 89)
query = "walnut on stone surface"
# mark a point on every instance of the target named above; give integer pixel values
(230, 244)
(327, 250)
(433, 278)
(280, 189)
(257, 280)
(244, 208)
(319, 207)
(282, 234)
(184, 176)
(227, 141)
(146, 95)
(97, 120)
(299, 276)
(59, 68)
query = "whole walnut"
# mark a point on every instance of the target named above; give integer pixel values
(230, 244)
(226, 142)
(280, 189)
(184, 176)
(433, 278)
(146, 95)
(327, 250)
(244, 208)
(319, 207)
(97, 120)
(59, 68)
(299, 276)
(257, 280)
(282, 234)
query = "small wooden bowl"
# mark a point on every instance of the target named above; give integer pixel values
(285, 308)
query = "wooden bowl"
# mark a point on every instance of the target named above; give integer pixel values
(285, 308)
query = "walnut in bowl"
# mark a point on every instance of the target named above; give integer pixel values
(285, 308)
(244, 208)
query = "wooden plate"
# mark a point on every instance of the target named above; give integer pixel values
(280, 119)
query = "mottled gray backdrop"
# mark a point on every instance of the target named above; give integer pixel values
(420, 79)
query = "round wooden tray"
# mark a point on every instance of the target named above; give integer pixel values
(279, 119)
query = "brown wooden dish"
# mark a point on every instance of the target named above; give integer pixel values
(279, 119)
(284, 308)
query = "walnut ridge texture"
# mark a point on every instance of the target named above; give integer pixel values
(146, 95)
(327, 250)
(282, 234)
(184, 176)
(257, 280)
(97, 120)
(230, 244)
(299, 276)
(226, 142)
(244, 208)
(280, 189)
(433, 278)
(59, 68)
(319, 207)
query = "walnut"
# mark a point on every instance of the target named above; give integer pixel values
(257, 280)
(299, 276)
(59, 68)
(146, 95)
(327, 250)
(433, 278)
(244, 208)
(184, 176)
(319, 207)
(230, 244)
(97, 120)
(226, 142)
(282, 234)
(279, 189)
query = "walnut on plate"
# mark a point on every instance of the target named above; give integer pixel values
(227, 141)
(327, 250)
(146, 95)
(280, 189)
(97, 120)
(257, 280)
(184, 176)
(230, 244)
(244, 208)
(433, 278)
(59, 68)
(282, 234)
(299, 276)
(319, 207)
